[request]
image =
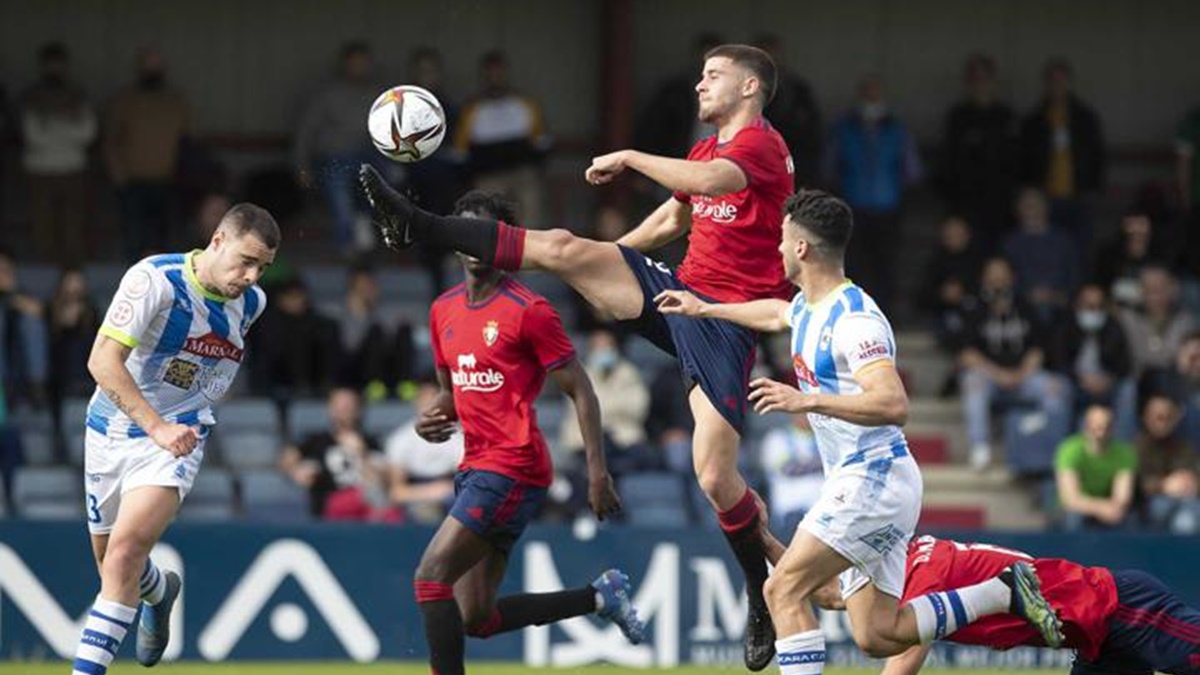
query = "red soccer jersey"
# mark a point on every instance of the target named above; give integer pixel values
(733, 248)
(1083, 597)
(498, 353)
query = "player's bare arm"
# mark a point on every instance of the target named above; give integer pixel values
(907, 663)
(107, 366)
(573, 380)
(436, 423)
(670, 221)
(710, 177)
(883, 400)
(765, 316)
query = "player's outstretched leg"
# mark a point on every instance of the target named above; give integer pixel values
(159, 591)
(613, 603)
(1029, 603)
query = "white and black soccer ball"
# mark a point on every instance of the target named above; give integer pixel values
(406, 123)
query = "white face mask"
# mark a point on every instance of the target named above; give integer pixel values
(1090, 320)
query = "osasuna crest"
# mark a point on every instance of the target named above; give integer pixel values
(491, 332)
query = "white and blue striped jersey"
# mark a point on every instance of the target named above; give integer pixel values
(187, 343)
(832, 341)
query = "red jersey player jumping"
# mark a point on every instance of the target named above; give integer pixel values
(1122, 622)
(494, 341)
(729, 193)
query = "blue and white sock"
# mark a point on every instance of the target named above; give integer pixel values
(940, 614)
(152, 584)
(801, 654)
(106, 625)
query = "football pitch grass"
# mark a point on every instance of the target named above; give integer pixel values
(130, 667)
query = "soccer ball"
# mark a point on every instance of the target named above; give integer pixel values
(406, 123)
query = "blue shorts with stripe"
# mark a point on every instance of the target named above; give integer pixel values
(715, 354)
(494, 506)
(1150, 630)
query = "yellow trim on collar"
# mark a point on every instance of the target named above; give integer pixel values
(837, 290)
(189, 272)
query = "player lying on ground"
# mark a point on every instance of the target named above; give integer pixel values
(494, 342)
(1117, 621)
(729, 193)
(843, 352)
(169, 347)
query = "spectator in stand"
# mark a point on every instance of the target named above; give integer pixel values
(1003, 360)
(1090, 349)
(792, 464)
(1044, 259)
(1186, 387)
(294, 353)
(669, 423)
(363, 340)
(1167, 468)
(145, 125)
(952, 282)
(1188, 174)
(73, 322)
(981, 155)
(331, 144)
(58, 125)
(342, 468)
(420, 473)
(1119, 262)
(1095, 474)
(625, 401)
(12, 455)
(872, 158)
(502, 137)
(24, 365)
(794, 114)
(206, 217)
(1157, 330)
(1062, 153)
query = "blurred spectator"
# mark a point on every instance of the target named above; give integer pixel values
(73, 322)
(57, 126)
(1095, 474)
(625, 401)
(207, 216)
(503, 138)
(1167, 468)
(981, 154)
(951, 282)
(145, 124)
(1157, 330)
(1120, 260)
(794, 114)
(1180, 383)
(342, 468)
(871, 159)
(1188, 174)
(295, 347)
(1062, 152)
(669, 422)
(23, 355)
(1044, 259)
(331, 143)
(363, 339)
(792, 464)
(420, 473)
(668, 124)
(1002, 360)
(1090, 349)
(11, 455)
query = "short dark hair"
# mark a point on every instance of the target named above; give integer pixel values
(493, 57)
(487, 204)
(825, 216)
(53, 51)
(354, 48)
(756, 61)
(246, 218)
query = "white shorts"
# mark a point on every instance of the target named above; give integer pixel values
(867, 513)
(114, 466)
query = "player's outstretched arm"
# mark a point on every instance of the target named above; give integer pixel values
(907, 663)
(107, 366)
(574, 382)
(882, 401)
(765, 316)
(709, 177)
(670, 221)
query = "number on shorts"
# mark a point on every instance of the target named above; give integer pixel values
(93, 507)
(658, 265)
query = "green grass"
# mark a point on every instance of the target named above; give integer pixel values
(411, 668)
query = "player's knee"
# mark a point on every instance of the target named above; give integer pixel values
(782, 588)
(481, 624)
(123, 560)
(432, 570)
(876, 646)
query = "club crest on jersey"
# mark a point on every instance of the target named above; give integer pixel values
(803, 372)
(491, 333)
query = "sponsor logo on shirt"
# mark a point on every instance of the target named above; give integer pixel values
(803, 372)
(181, 373)
(212, 346)
(716, 211)
(467, 378)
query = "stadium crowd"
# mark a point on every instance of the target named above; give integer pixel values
(1080, 350)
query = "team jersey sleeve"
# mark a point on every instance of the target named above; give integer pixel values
(143, 293)
(435, 340)
(543, 330)
(794, 308)
(692, 154)
(755, 153)
(865, 340)
(256, 304)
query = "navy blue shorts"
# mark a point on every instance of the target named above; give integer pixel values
(1151, 630)
(494, 506)
(715, 354)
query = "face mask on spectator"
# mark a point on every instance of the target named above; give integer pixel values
(873, 112)
(603, 359)
(992, 295)
(1090, 320)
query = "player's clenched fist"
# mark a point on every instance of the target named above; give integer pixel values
(771, 396)
(679, 302)
(602, 496)
(178, 439)
(605, 167)
(435, 426)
